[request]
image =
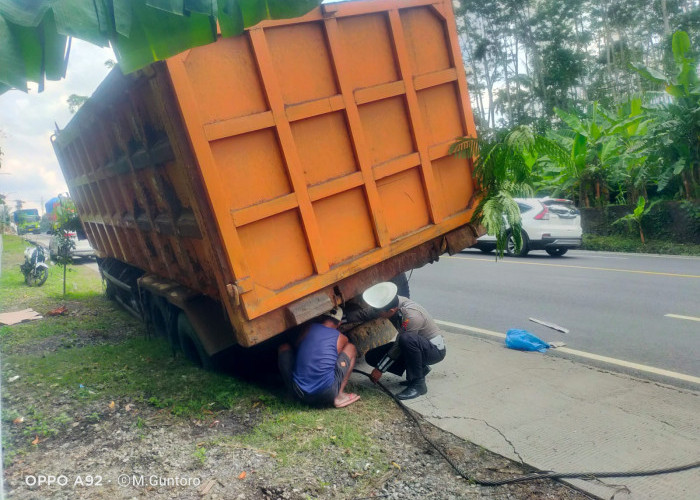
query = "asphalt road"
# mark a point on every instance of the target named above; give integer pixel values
(615, 305)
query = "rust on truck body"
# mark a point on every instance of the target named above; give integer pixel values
(284, 170)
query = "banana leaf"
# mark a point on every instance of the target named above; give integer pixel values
(34, 33)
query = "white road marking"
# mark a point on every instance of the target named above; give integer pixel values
(587, 355)
(591, 253)
(678, 316)
(607, 257)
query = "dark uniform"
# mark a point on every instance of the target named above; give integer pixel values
(418, 344)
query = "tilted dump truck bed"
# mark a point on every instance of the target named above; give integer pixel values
(282, 171)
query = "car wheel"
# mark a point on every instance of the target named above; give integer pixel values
(510, 246)
(556, 252)
(486, 250)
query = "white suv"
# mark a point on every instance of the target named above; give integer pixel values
(81, 249)
(549, 224)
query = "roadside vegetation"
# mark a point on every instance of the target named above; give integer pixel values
(597, 104)
(631, 244)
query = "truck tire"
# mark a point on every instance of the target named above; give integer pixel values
(371, 334)
(191, 345)
(110, 290)
(160, 315)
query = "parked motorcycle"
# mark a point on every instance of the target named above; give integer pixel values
(35, 269)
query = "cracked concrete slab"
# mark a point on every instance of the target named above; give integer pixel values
(557, 414)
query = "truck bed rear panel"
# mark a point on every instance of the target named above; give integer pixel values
(269, 169)
(332, 146)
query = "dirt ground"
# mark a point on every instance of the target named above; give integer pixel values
(104, 455)
(112, 459)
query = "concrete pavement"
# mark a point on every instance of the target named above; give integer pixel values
(556, 414)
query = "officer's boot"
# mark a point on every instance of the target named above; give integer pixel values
(415, 389)
(426, 370)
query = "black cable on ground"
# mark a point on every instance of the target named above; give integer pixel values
(535, 475)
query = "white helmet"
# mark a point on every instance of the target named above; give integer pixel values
(336, 313)
(380, 295)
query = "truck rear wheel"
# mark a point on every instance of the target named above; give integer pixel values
(191, 345)
(160, 314)
(371, 334)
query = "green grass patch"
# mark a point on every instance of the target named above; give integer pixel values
(94, 319)
(138, 369)
(629, 244)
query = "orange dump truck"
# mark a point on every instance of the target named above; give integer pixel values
(242, 188)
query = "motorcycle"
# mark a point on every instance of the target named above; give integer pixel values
(35, 269)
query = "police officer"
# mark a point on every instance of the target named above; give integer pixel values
(418, 344)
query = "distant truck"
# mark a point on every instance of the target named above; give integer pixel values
(51, 207)
(27, 220)
(239, 189)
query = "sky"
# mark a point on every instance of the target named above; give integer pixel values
(30, 171)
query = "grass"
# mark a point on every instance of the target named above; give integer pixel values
(631, 244)
(71, 368)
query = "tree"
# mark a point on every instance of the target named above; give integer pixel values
(609, 150)
(635, 218)
(67, 223)
(75, 102)
(678, 136)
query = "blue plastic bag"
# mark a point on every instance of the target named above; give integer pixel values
(522, 340)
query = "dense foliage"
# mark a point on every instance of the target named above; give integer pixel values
(526, 57)
(610, 86)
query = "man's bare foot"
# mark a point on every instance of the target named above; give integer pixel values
(344, 399)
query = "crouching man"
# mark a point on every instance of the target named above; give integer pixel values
(319, 366)
(418, 345)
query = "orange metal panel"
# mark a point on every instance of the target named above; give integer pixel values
(425, 40)
(226, 68)
(263, 210)
(404, 202)
(388, 129)
(298, 57)
(371, 61)
(324, 147)
(276, 95)
(382, 91)
(282, 255)
(238, 125)
(335, 186)
(406, 62)
(314, 108)
(343, 214)
(250, 168)
(396, 165)
(455, 186)
(339, 55)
